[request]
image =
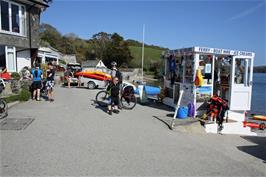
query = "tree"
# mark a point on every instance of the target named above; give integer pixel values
(100, 42)
(50, 34)
(67, 46)
(117, 50)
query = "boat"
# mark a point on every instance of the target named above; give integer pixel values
(98, 75)
(151, 90)
(259, 117)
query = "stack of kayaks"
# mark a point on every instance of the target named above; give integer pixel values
(98, 75)
(256, 121)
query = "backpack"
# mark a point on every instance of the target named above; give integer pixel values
(191, 110)
(118, 74)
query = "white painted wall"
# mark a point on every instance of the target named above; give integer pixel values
(23, 59)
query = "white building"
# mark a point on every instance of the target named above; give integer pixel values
(48, 54)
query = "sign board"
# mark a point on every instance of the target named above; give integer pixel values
(223, 51)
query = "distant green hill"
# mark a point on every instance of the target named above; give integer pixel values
(152, 56)
(259, 69)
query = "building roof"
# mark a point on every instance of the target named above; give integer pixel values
(90, 63)
(69, 58)
(39, 3)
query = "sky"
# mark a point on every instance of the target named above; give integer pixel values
(229, 24)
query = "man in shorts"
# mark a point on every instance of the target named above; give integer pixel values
(37, 76)
(50, 73)
(68, 75)
(113, 90)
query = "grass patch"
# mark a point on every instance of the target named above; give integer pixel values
(151, 55)
(12, 98)
(24, 95)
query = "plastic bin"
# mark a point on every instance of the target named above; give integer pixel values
(182, 113)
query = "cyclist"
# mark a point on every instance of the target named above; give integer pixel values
(113, 91)
(116, 73)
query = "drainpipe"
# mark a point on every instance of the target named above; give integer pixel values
(29, 10)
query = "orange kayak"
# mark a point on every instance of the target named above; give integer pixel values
(94, 75)
(259, 117)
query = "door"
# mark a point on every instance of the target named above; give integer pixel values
(241, 83)
(11, 64)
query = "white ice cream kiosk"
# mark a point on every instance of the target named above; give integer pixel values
(226, 73)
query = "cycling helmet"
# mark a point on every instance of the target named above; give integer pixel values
(113, 63)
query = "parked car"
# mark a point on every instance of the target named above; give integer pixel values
(74, 68)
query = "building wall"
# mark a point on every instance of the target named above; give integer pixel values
(69, 58)
(23, 59)
(32, 28)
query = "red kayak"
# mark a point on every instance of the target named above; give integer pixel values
(260, 126)
(94, 75)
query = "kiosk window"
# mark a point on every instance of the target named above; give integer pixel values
(240, 66)
(206, 67)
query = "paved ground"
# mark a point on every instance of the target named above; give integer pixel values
(73, 137)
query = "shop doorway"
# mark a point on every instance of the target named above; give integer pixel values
(233, 80)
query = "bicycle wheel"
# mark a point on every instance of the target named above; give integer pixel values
(3, 109)
(128, 101)
(102, 98)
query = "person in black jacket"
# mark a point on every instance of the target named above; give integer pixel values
(50, 73)
(116, 73)
(113, 91)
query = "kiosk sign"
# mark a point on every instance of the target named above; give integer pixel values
(223, 51)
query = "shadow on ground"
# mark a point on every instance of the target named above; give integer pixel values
(157, 105)
(97, 106)
(166, 122)
(258, 151)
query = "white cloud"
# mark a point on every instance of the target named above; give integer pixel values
(247, 12)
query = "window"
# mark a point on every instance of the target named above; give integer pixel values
(8, 58)
(2, 56)
(4, 16)
(13, 18)
(11, 60)
(23, 21)
(239, 71)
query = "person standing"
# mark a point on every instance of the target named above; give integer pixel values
(113, 91)
(37, 76)
(50, 81)
(115, 73)
(68, 74)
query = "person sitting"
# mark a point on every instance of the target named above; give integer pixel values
(113, 90)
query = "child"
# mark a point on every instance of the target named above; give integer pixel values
(113, 90)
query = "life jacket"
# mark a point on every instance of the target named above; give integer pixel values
(218, 103)
(199, 78)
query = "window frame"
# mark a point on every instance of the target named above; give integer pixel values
(10, 3)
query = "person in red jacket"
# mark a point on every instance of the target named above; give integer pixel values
(4, 74)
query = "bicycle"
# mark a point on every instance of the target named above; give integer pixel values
(127, 99)
(3, 103)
